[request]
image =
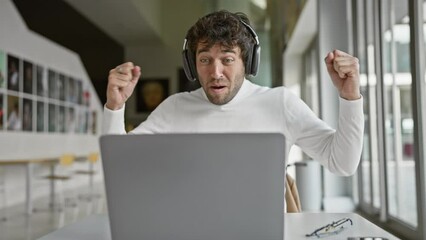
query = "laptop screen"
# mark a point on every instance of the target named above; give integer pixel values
(195, 186)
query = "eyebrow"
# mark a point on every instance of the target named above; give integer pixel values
(222, 51)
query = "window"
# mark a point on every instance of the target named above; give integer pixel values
(389, 166)
(401, 185)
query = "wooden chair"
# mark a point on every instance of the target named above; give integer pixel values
(292, 196)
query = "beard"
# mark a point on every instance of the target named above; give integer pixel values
(227, 93)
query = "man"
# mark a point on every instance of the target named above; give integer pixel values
(220, 50)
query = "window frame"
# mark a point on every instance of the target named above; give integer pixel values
(418, 91)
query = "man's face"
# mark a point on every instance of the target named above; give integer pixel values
(220, 71)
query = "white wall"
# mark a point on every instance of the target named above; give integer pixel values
(333, 33)
(303, 34)
(18, 40)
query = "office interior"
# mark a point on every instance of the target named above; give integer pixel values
(70, 46)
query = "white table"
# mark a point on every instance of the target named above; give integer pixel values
(296, 226)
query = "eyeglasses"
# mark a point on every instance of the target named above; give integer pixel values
(331, 228)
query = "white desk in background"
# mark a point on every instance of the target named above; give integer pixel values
(297, 225)
(29, 177)
(96, 227)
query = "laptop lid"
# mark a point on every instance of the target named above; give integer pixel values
(195, 186)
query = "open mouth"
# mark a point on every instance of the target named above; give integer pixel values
(218, 87)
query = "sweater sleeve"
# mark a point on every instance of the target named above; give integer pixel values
(348, 138)
(338, 150)
(159, 120)
(113, 121)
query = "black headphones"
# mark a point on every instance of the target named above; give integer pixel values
(252, 61)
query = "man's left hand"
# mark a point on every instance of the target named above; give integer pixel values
(344, 71)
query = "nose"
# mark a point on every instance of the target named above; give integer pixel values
(217, 70)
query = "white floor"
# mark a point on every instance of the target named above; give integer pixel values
(20, 226)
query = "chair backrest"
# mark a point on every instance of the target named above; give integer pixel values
(292, 195)
(67, 159)
(93, 157)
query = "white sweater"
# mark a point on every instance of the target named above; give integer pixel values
(259, 109)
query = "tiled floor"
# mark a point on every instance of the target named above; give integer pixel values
(19, 226)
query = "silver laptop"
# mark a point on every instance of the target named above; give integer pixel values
(195, 186)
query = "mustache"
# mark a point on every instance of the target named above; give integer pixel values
(216, 80)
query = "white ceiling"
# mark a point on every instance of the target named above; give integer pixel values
(125, 21)
(120, 19)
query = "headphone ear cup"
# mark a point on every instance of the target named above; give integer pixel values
(255, 61)
(252, 63)
(249, 61)
(189, 65)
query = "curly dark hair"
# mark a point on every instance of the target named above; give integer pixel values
(224, 28)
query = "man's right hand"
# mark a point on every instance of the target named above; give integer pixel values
(121, 83)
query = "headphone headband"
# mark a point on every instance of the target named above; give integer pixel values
(251, 30)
